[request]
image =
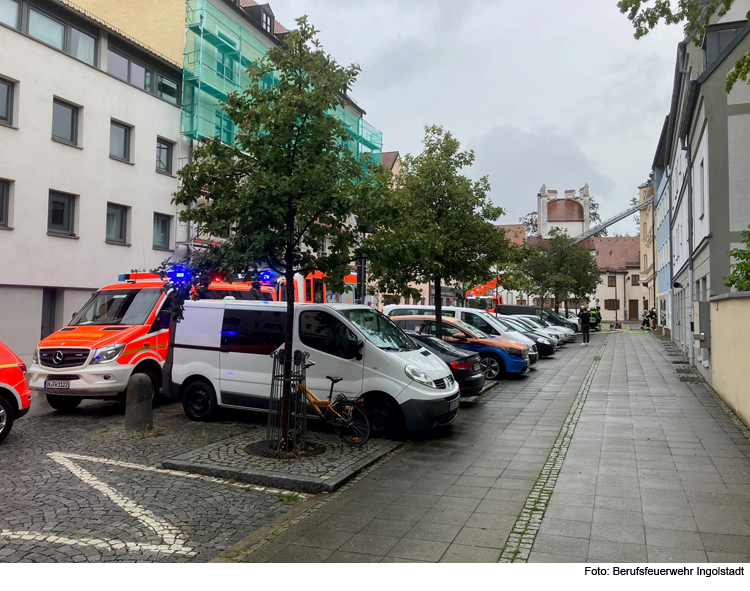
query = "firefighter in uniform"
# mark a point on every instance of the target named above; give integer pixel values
(596, 319)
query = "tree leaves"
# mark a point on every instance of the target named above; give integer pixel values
(739, 278)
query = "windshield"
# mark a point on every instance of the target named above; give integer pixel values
(379, 330)
(118, 306)
(496, 322)
(519, 324)
(468, 329)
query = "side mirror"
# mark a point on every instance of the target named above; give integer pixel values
(74, 315)
(354, 350)
(459, 336)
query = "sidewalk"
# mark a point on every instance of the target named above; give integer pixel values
(654, 471)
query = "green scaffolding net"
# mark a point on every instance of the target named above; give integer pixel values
(218, 51)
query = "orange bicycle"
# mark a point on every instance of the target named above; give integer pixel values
(345, 415)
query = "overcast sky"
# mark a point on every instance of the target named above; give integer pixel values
(554, 92)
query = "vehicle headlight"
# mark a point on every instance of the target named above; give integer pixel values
(545, 342)
(419, 375)
(512, 351)
(108, 353)
(35, 356)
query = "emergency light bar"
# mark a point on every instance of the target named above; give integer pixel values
(137, 276)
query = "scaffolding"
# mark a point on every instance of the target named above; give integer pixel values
(218, 51)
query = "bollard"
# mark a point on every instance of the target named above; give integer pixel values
(139, 412)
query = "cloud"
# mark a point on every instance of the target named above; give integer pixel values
(519, 162)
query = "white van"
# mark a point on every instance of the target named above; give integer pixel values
(219, 356)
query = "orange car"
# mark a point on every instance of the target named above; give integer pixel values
(15, 396)
(499, 356)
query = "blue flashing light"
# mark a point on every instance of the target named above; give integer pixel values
(179, 274)
(266, 276)
(229, 333)
(123, 277)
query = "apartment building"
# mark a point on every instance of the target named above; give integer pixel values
(647, 275)
(90, 144)
(705, 159)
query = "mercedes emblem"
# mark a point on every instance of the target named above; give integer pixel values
(58, 357)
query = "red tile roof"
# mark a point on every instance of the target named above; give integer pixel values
(617, 253)
(515, 233)
(389, 159)
(564, 210)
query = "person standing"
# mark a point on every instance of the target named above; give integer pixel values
(585, 317)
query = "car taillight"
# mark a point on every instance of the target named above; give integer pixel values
(22, 365)
(461, 365)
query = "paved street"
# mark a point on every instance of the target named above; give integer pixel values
(648, 468)
(603, 453)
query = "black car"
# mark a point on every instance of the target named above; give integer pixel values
(465, 365)
(544, 345)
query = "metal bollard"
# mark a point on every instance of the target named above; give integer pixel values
(139, 412)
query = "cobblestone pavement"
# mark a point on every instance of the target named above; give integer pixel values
(77, 488)
(652, 469)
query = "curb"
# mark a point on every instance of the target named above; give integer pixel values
(293, 482)
(233, 552)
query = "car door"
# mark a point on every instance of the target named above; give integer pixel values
(328, 340)
(477, 321)
(448, 331)
(248, 337)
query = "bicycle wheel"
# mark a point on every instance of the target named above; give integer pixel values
(353, 426)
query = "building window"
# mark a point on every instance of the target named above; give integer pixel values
(46, 30)
(162, 225)
(6, 102)
(266, 22)
(82, 46)
(224, 127)
(645, 261)
(611, 304)
(636, 280)
(167, 90)
(612, 280)
(64, 122)
(703, 190)
(4, 204)
(128, 70)
(164, 156)
(61, 214)
(117, 220)
(119, 141)
(9, 13)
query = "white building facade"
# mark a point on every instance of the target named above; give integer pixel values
(89, 148)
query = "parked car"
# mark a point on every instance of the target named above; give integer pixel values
(544, 344)
(499, 356)
(219, 356)
(522, 324)
(566, 334)
(544, 313)
(474, 317)
(465, 365)
(15, 396)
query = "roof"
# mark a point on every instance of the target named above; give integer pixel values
(278, 28)
(617, 253)
(564, 210)
(515, 233)
(389, 159)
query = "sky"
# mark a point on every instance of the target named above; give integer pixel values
(553, 92)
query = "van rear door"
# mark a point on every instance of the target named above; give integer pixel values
(248, 337)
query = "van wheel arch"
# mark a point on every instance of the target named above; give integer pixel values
(191, 380)
(150, 367)
(10, 398)
(382, 407)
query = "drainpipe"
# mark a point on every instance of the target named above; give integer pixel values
(685, 141)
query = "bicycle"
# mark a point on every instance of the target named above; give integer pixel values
(345, 415)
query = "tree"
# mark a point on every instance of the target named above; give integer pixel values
(696, 14)
(560, 268)
(287, 182)
(739, 277)
(531, 219)
(438, 226)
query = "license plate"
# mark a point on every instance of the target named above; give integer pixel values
(57, 384)
(454, 404)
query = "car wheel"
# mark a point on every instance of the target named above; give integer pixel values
(199, 401)
(63, 402)
(6, 418)
(493, 367)
(385, 418)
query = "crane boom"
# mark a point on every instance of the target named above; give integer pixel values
(613, 220)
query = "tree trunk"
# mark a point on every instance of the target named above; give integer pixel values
(288, 352)
(438, 309)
